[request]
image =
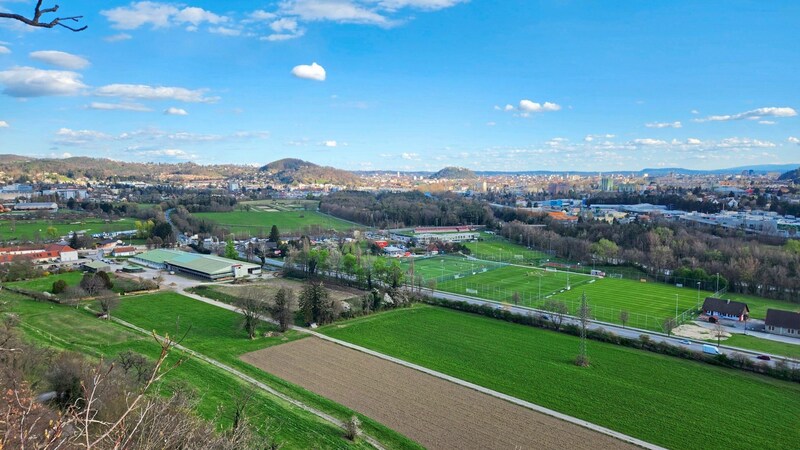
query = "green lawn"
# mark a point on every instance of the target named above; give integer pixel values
(255, 222)
(758, 306)
(217, 333)
(763, 345)
(663, 400)
(27, 230)
(447, 267)
(496, 248)
(78, 330)
(46, 283)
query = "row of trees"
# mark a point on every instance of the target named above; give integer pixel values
(393, 210)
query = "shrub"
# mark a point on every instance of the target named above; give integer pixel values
(59, 286)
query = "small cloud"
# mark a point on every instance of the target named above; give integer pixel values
(694, 111)
(4, 124)
(4, 50)
(767, 122)
(312, 72)
(592, 137)
(491, 124)
(508, 107)
(61, 60)
(753, 114)
(32, 82)
(118, 107)
(794, 140)
(225, 31)
(663, 125)
(527, 107)
(146, 92)
(329, 143)
(694, 141)
(649, 142)
(410, 156)
(119, 37)
(168, 153)
(172, 111)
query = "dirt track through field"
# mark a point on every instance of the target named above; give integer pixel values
(436, 413)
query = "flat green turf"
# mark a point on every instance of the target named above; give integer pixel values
(78, 330)
(27, 229)
(217, 333)
(46, 283)
(447, 266)
(667, 401)
(763, 345)
(496, 248)
(259, 222)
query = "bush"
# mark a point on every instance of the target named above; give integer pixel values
(59, 286)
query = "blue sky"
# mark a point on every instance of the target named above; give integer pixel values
(409, 84)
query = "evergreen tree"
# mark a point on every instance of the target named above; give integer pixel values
(274, 234)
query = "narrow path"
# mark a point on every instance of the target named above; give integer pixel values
(458, 381)
(255, 382)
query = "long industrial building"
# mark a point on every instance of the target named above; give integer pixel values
(210, 267)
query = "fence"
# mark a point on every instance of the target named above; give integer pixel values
(540, 301)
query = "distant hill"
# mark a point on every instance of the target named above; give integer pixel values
(792, 175)
(453, 173)
(292, 170)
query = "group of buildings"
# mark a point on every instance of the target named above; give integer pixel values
(777, 321)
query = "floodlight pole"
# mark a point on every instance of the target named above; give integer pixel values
(676, 308)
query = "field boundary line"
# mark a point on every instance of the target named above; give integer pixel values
(490, 392)
(322, 415)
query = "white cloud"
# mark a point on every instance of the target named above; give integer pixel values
(225, 31)
(138, 107)
(157, 15)
(533, 107)
(429, 5)
(344, 11)
(330, 144)
(284, 25)
(62, 60)
(753, 114)
(275, 37)
(261, 15)
(118, 37)
(146, 92)
(767, 122)
(197, 16)
(491, 124)
(737, 142)
(592, 137)
(410, 156)
(169, 153)
(172, 111)
(649, 142)
(694, 141)
(312, 72)
(663, 125)
(794, 140)
(694, 111)
(4, 124)
(32, 82)
(67, 136)
(4, 50)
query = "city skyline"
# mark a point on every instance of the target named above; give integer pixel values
(407, 84)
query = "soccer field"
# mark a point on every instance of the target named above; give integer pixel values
(495, 248)
(256, 222)
(447, 267)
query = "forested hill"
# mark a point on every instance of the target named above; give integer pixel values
(792, 175)
(453, 173)
(292, 170)
(108, 169)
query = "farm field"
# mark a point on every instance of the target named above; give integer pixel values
(667, 401)
(79, 330)
(254, 223)
(217, 333)
(27, 230)
(435, 412)
(283, 204)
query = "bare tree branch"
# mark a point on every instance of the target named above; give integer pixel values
(37, 15)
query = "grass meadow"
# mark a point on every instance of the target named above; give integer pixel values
(664, 400)
(256, 222)
(27, 230)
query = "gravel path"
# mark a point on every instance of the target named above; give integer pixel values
(434, 412)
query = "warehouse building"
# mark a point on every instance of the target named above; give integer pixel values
(210, 267)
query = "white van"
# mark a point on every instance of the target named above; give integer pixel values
(711, 350)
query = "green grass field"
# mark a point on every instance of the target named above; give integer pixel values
(26, 230)
(762, 345)
(496, 248)
(78, 330)
(667, 401)
(254, 223)
(46, 283)
(217, 333)
(447, 266)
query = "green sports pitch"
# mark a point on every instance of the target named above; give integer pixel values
(257, 222)
(447, 267)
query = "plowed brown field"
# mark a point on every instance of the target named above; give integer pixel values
(436, 413)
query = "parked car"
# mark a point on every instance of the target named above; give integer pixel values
(763, 357)
(711, 350)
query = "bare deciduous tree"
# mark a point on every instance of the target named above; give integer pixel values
(252, 304)
(668, 324)
(559, 309)
(36, 21)
(352, 428)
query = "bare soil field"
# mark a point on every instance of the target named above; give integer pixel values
(273, 284)
(434, 412)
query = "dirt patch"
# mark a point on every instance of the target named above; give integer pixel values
(434, 412)
(273, 284)
(699, 333)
